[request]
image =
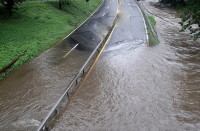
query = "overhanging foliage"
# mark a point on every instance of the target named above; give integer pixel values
(9, 4)
(191, 16)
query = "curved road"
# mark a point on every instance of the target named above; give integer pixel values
(108, 99)
(131, 87)
(136, 88)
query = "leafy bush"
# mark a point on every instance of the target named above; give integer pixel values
(9, 4)
(191, 16)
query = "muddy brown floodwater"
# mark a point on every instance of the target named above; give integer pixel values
(29, 92)
(187, 59)
(135, 87)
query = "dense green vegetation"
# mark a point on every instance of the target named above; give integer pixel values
(36, 26)
(9, 5)
(191, 16)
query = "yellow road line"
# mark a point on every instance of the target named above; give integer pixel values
(70, 51)
(91, 68)
(99, 55)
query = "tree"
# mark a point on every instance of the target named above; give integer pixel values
(9, 4)
(191, 16)
(63, 2)
(173, 2)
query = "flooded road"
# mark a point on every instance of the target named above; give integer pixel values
(135, 87)
(27, 95)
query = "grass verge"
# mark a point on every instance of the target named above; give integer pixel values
(152, 20)
(36, 26)
(152, 39)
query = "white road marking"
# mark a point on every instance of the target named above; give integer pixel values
(70, 51)
(104, 14)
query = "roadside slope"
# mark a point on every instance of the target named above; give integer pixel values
(36, 26)
(30, 91)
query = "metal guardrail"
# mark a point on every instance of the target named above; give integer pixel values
(64, 99)
(147, 20)
(69, 91)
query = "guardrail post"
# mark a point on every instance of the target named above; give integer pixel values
(44, 128)
(56, 111)
(68, 95)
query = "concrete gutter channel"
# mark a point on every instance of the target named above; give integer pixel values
(96, 37)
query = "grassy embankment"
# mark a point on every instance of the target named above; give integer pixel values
(36, 26)
(152, 39)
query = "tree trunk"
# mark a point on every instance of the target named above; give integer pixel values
(9, 6)
(60, 4)
(182, 2)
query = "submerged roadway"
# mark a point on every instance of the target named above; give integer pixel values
(111, 98)
(132, 87)
(27, 95)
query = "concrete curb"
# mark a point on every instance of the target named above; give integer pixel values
(145, 26)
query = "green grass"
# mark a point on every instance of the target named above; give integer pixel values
(152, 20)
(152, 39)
(36, 26)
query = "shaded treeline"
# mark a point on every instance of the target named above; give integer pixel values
(9, 5)
(191, 15)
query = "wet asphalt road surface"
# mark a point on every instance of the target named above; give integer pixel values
(28, 93)
(135, 87)
(132, 86)
(105, 100)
